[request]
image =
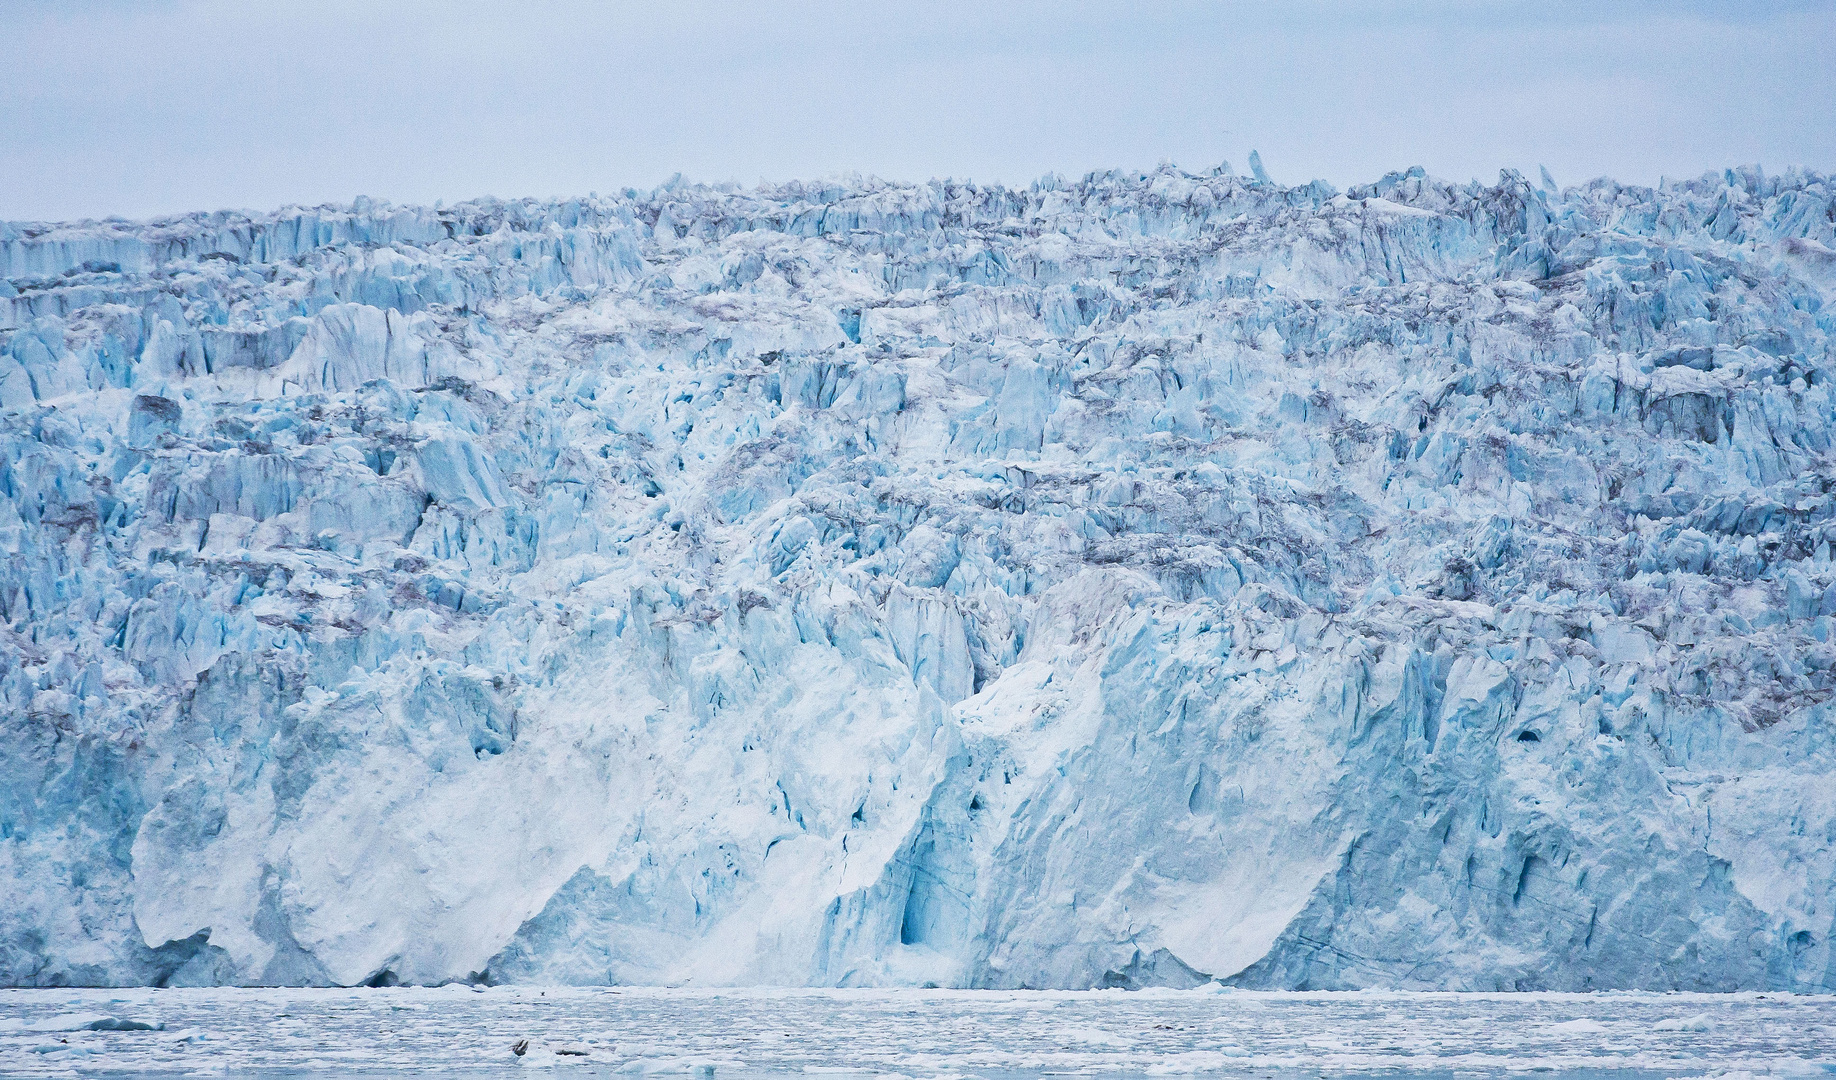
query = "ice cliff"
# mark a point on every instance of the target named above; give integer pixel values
(1136, 580)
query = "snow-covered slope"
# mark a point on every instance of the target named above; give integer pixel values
(1132, 581)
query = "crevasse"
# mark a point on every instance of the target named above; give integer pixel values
(1132, 581)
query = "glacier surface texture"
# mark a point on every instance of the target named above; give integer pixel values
(1140, 580)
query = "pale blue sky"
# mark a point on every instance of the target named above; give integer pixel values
(154, 107)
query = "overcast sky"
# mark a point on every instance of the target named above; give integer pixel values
(141, 108)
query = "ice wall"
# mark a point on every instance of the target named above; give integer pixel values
(1137, 580)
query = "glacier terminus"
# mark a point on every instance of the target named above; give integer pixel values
(1132, 581)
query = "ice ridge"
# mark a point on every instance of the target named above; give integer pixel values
(1137, 580)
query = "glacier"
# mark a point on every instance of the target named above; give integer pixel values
(1141, 580)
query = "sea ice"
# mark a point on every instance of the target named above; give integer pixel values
(922, 1035)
